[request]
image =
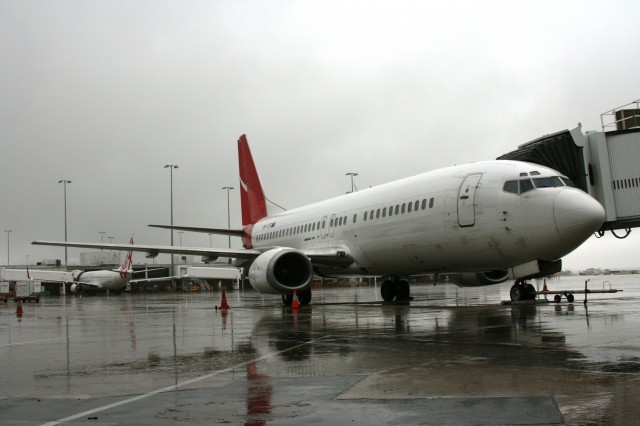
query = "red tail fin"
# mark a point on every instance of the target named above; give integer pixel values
(128, 262)
(254, 205)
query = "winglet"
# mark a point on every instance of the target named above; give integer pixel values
(253, 201)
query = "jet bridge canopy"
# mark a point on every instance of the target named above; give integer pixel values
(603, 164)
(558, 151)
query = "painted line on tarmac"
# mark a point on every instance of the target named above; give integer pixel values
(179, 385)
(31, 342)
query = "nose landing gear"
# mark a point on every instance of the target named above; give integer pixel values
(522, 290)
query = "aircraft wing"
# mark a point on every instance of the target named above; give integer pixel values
(35, 274)
(153, 250)
(218, 231)
(337, 257)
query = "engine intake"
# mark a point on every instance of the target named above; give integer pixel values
(477, 279)
(280, 271)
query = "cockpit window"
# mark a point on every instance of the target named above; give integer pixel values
(525, 185)
(534, 173)
(511, 186)
(548, 182)
(568, 182)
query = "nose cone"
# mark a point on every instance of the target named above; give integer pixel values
(577, 215)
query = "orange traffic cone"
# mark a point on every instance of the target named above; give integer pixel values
(223, 303)
(294, 303)
(544, 288)
(19, 309)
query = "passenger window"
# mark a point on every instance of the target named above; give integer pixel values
(511, 186)
(391, 211)
(415, 206)
(403, 207)
(378, 214)
(409, 207)
(384, 212)
(431, 203)
(525, 185)
(397, 208)
(424, 204)
(365, 216)
(355, 216)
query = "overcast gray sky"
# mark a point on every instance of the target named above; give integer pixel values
(105, 93)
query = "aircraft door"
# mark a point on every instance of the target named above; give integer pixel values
(466, 200)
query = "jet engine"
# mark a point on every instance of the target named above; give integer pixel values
(280, 271)
(477, 279)
(75, 288)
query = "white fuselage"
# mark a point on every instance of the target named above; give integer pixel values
(457, 219)
(103, 280)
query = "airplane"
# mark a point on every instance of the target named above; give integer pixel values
(480, 223)
(114, 280)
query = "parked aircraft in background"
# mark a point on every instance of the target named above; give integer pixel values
(114, 280)
(483, 222)
(105, 279)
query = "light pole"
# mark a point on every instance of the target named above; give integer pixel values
(180, 236)
(352, 174)
(110, 240)
(171, 167)
(65, 182)
(8, 231)
(101, 236)
(228, 188)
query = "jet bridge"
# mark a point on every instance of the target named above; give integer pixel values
(601, 163)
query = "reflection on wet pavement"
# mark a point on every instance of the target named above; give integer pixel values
(455, 355)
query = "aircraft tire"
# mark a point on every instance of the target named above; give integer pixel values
(516, 293)
(529, 292)
(403, 291)
(570, 298)
(287, 299)
(388, 290)
(305, 297)
(557, 298)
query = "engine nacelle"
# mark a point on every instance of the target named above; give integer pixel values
(478, 279)
(75, 288)
(280, 271)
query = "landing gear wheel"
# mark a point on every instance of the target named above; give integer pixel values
(522, 291)
(557, 298)
(388, 290)
(304, 297)
(530, 292)
(403, 290)
(516, 293)
(287, 299)
(569, 297)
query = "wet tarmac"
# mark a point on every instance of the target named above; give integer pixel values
(453, 356)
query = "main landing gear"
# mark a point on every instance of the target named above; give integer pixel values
(397, 289)
(522, 290)
(304, 298)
